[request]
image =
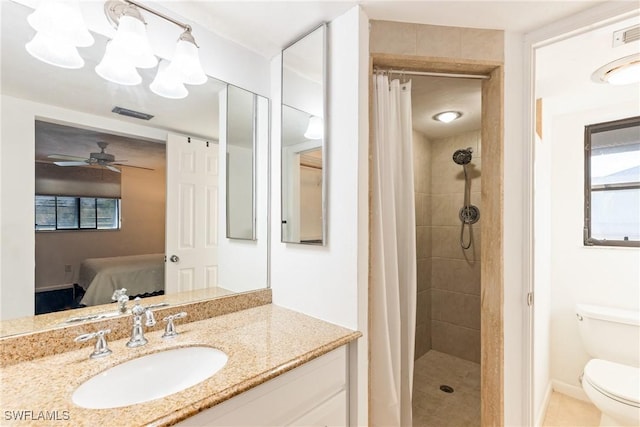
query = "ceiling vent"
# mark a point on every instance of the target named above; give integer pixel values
(131, 113)
(626, 35)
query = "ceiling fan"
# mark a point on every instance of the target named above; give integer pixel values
(102, 159)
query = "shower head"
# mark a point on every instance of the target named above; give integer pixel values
(463, 156)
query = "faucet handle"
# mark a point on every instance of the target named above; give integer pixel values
(170, 329)
(150, 318)
(101, 349)
(120, 295)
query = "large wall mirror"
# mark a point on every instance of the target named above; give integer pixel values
(304, 139)
(121, 202)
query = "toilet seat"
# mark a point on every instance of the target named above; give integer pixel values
(618, 382)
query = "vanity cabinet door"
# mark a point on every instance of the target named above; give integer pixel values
(314, 394)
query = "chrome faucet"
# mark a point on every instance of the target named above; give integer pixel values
(101, 348)
(137, 334)
(120, 295)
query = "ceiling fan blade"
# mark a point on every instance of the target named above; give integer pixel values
(111, 168)
(65, 157)
(70, 163)
(132, 166)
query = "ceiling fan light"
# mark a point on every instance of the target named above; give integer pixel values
(622, 71)
(186, 61)
(62, 20)
(131, 41)
(54, 52)
(167, 84)
(315, 128)
(117, 69)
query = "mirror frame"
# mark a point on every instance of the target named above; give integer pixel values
(323, 27)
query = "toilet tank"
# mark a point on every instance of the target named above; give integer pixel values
(610, 333)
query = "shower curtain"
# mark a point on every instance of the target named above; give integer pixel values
(393, 256)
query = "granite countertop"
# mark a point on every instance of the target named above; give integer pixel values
(261, 343)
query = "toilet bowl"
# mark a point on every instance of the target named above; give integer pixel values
(611, 379)
(615, 390)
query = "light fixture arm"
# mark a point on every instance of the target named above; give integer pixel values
(114, 9)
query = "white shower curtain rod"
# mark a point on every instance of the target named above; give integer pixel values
(433, 74)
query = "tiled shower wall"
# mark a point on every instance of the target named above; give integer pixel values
(448, 300)
(422, 188)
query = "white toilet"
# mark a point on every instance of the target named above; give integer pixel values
(612, 378)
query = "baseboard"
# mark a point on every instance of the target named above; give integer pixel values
(570, 390)
(54, 287)
(543, 408)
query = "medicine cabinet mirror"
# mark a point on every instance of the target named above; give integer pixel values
(241, 148)
(304, 139)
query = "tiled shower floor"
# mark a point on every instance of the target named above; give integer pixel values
(435, 408)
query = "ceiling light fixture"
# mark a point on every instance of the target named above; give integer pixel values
(60, 30)
(315, 128)
(447, 116)
(622, 71)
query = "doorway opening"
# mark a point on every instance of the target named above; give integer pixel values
(490, 338)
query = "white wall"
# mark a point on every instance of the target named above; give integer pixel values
(330, 282)
(542, 272)
(605, 276)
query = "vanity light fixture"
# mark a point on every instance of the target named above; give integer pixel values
(622, 71)
(131, 48)
(447, 116)
(315, 128)
(167, 83)
(186, 60)
(60, 30)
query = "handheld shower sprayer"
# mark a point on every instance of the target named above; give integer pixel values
(469, 214)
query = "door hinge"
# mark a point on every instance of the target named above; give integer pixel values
(530, 299)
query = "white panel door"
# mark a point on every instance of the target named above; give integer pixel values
(192, 214)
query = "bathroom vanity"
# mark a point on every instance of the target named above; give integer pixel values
(283, 368)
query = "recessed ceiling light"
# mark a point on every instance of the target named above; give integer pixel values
(447, 116)
(619, 72)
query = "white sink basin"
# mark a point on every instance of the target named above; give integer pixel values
(149, 377)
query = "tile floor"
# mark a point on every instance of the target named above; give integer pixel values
(435, 408)
(567, 411)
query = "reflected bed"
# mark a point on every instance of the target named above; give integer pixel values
(139, 274)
